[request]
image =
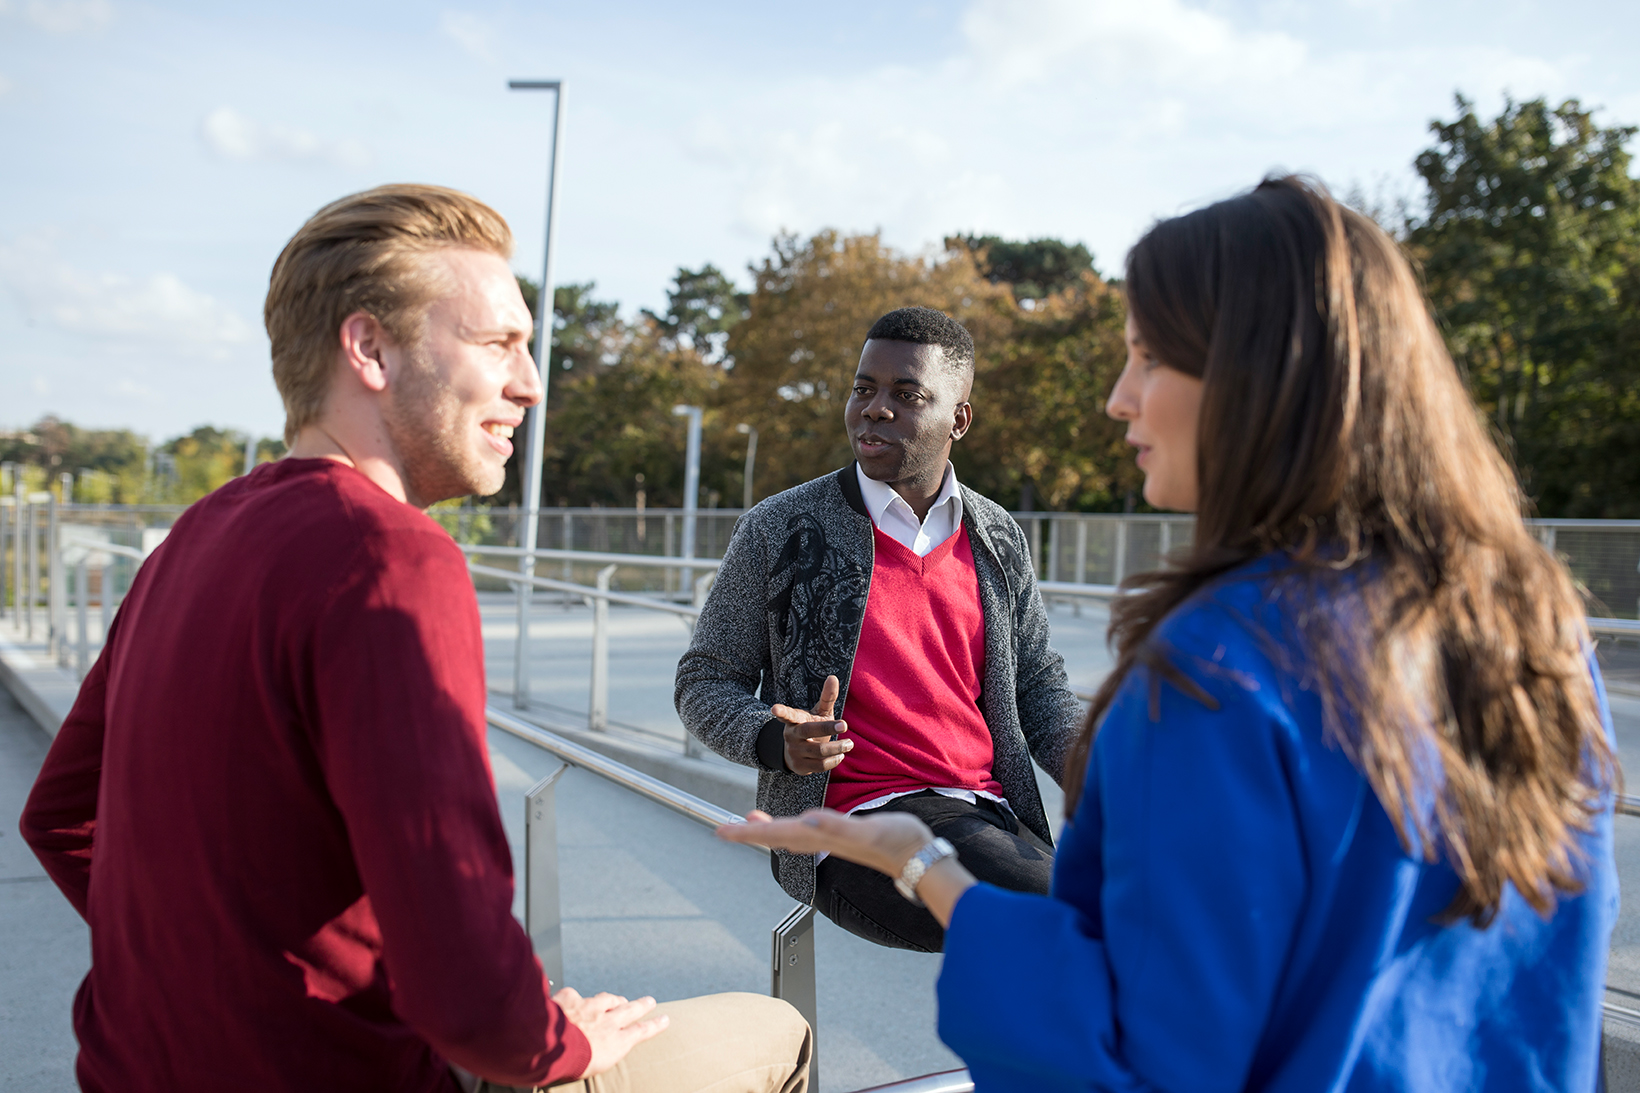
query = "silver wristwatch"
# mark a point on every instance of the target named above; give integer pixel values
(936, 850)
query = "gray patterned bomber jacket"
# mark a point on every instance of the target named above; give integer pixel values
(785, 612)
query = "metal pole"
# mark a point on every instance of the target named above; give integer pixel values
(50, 548)
(598, 706)
(1053, 549)
(751, 461)
(1167, 537)
(691, 486)
(5, 570)
(105, 598)
(26, 576)
(543, 914)
(82, 639)
(54, 565)
(569, 544)
(1121, 551)
(666, 551)
(535, 427)
(791, 964)
(250, 454)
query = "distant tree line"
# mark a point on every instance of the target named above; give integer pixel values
(1527, 233)
(117, 466)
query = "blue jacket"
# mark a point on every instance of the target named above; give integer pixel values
(1232, 910)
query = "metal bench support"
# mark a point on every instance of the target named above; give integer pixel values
(543, 914)
(791, 966)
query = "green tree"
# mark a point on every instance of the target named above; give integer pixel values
(1528, 243)
(703, 306)
(1034, 268)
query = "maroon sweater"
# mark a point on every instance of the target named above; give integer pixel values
(913, 695)
(273, 805)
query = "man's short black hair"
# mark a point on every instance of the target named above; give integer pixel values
(925, 326)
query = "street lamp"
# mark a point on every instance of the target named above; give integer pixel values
(535, 425)
(750, 434)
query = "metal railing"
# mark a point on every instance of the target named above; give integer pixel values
(600, 597)
(791, 941)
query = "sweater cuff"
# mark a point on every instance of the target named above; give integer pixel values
(771, 746)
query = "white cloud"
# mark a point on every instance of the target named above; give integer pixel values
(1019, 41)
(470, 32)
(234, 136)
(157, 308)
(60, 16)
(1081, 118)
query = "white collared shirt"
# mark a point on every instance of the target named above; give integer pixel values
(897, 520)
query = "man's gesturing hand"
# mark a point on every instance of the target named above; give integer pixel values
(611, 1024)
(810, 748)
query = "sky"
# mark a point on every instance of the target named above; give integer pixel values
(155, 157)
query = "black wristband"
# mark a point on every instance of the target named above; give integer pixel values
(771, 745)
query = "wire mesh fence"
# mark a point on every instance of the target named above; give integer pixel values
(1084, 548)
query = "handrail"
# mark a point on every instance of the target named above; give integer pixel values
(587, 591)
(946, 1081)
(1072, 588)
(104, 548)
(1597, 624)
(658, 561)
(1621, 1014)
(688, 805)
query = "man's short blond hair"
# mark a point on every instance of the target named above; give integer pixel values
(363, 253)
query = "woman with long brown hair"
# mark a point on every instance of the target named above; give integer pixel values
(1340, 817)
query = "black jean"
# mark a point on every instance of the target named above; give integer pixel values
(865, 902)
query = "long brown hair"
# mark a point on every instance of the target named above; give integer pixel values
(1335, 427)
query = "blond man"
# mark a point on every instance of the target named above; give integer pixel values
(272, 801)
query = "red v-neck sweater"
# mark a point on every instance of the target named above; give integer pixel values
(913, 694)
(272, 802)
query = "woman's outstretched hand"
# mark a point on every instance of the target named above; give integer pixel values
(884, 841)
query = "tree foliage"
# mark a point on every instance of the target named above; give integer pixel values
(1529, 244)
(1034, 269)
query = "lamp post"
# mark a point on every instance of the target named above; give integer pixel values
(691, 485)
(750, 434)
(535, 425)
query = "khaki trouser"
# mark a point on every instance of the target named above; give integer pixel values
(718, 1043)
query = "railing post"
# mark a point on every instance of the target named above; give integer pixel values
(792, 975)
(56, 588)
(31, 582)
(105, 598)
(1081, 561)
(1121, 550)
(1166, 537)
(83, 640)
(598, 707)
(543, 914)
(1053, 548)
(1036, 544)
(671, 574)
(569, 565)
(56, 598)
(521, 645)
(5, 570)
